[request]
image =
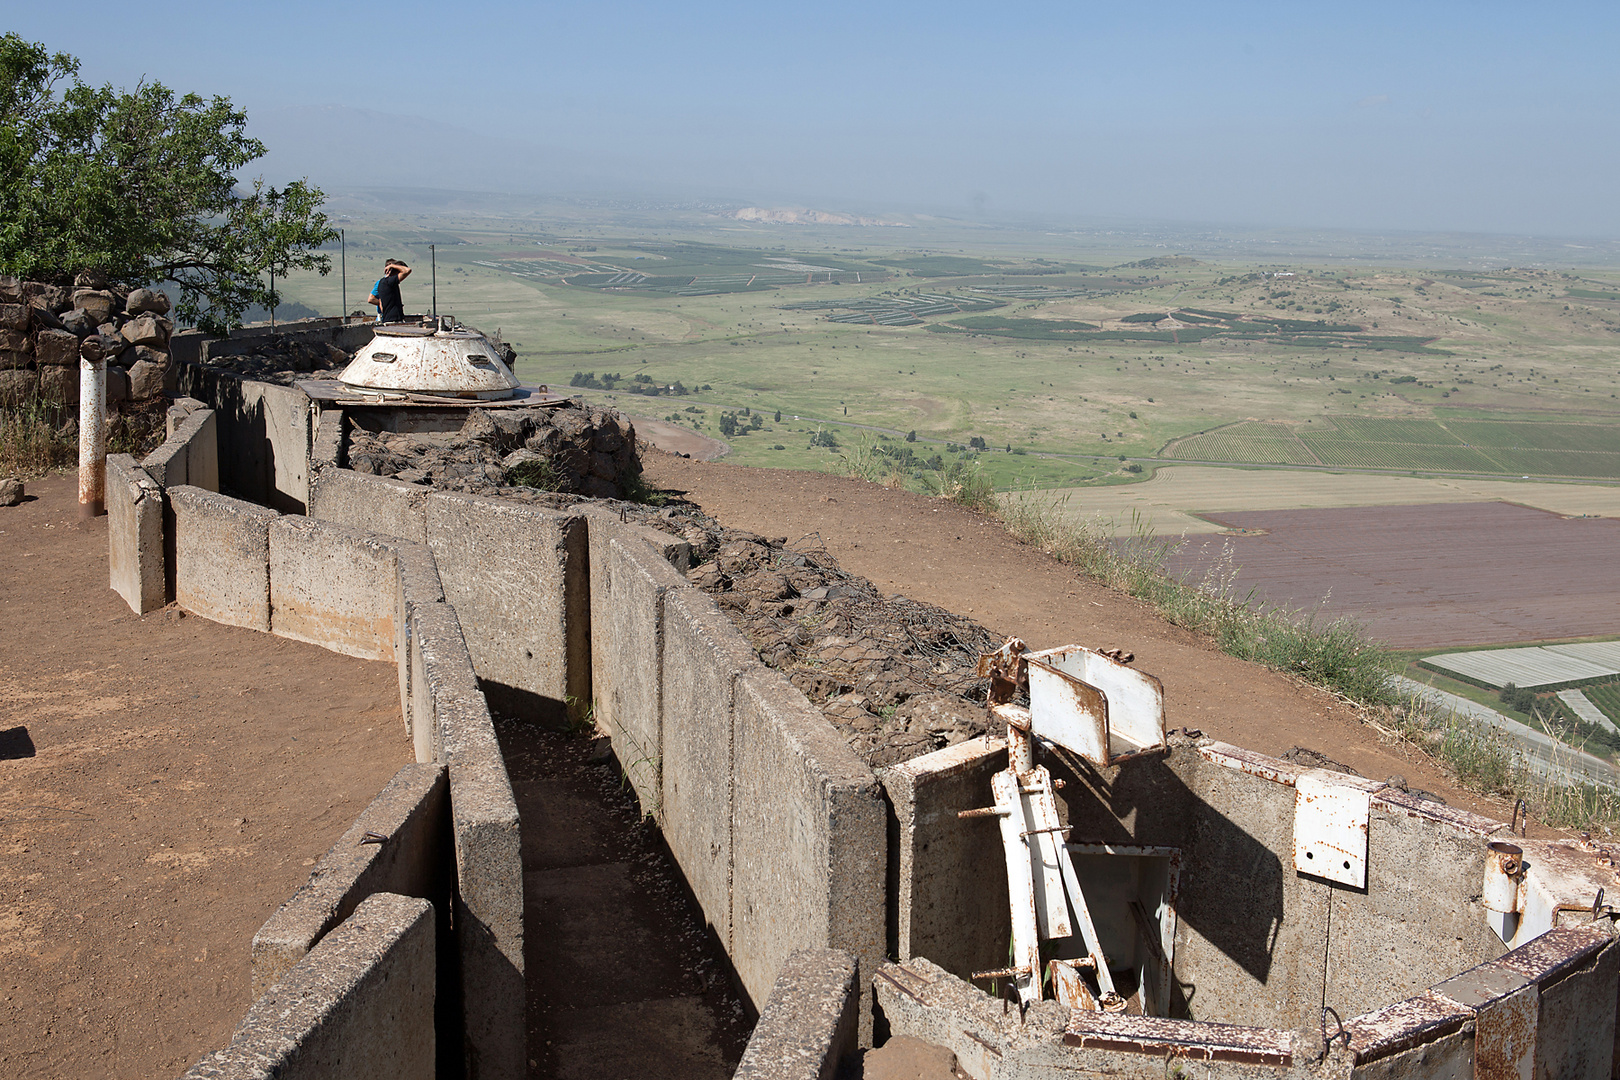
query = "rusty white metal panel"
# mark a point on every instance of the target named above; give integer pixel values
(1062, 683)
(1067, 710)
(1330, 828)
(1505, 1036)
(1044, 839)
(1088, 930)
(1026, 945)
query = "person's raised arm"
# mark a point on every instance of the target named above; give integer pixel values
(404, 271)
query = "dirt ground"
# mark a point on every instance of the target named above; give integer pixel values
(937, 552)
(165, 783)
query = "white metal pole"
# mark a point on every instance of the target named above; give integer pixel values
(92, 438)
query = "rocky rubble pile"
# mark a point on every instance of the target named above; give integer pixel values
(283, 359)
(575, 448)
(894, 675)
(45, 329)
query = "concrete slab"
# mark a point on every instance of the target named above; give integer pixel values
(333, 586)
(1417, 922)
(488, 842)
(418, 583)
(200, 434)
(135, 556)
(264, 435)
(377, 504)
(518, 576)
(360, 1005)
(412, 814)
(703, 655)
(808, 1024)
(326, 445)
(810, 837)
(1250, 931)
(632, 662)
(601, 528)
(222, 557)
(948, 877)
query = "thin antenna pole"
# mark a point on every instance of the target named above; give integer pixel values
(343, 257)
(433, 259)
(272, 296)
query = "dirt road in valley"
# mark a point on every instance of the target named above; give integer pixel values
(165, 783)
(935, 551)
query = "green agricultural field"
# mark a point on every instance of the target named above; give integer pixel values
(1606, 696)
(1460, 446)
(1034, 342)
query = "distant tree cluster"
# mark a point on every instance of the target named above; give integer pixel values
(733, 424)
(590, 381)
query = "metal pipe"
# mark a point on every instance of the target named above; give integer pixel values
(92, 438)
(433, 264)
(343, 262)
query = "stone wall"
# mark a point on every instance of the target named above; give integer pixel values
(46, 329)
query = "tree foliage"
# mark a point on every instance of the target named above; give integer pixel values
(141, 186)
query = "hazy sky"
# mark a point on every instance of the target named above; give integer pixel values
(1481, 116)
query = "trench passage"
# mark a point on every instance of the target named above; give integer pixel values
(624, 980)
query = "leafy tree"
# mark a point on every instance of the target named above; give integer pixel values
(911, 436)
(140, 186)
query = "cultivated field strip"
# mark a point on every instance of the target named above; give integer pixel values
(1507, 448)
(1529, 668)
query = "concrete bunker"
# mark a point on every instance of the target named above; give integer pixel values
(1222, 948)
(1264, 961)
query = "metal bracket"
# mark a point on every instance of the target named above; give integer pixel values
(1330, 828)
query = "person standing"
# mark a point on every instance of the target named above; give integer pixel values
(385, 296)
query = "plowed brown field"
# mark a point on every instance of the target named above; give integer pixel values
(1421, 576)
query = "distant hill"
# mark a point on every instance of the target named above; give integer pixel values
(800, 216)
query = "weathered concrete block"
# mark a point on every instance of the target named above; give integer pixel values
(1260, 961)
(632, 655)
(376, 503)
(518, 576)
(703, 655)
(326, 445)
(360, 1005)
(222, 557)
(200, 431)
(418, 583)
(190, 455)
(412, 813)
(488, 844)
(809, 852)
(135, 560)
(334, 587)
(1423, 877)
(602, 527)
(167, 464)
(808, 1023)
(264, 434)
(949, 877)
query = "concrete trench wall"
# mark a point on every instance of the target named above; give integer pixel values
(450, 824)
(787, 840)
